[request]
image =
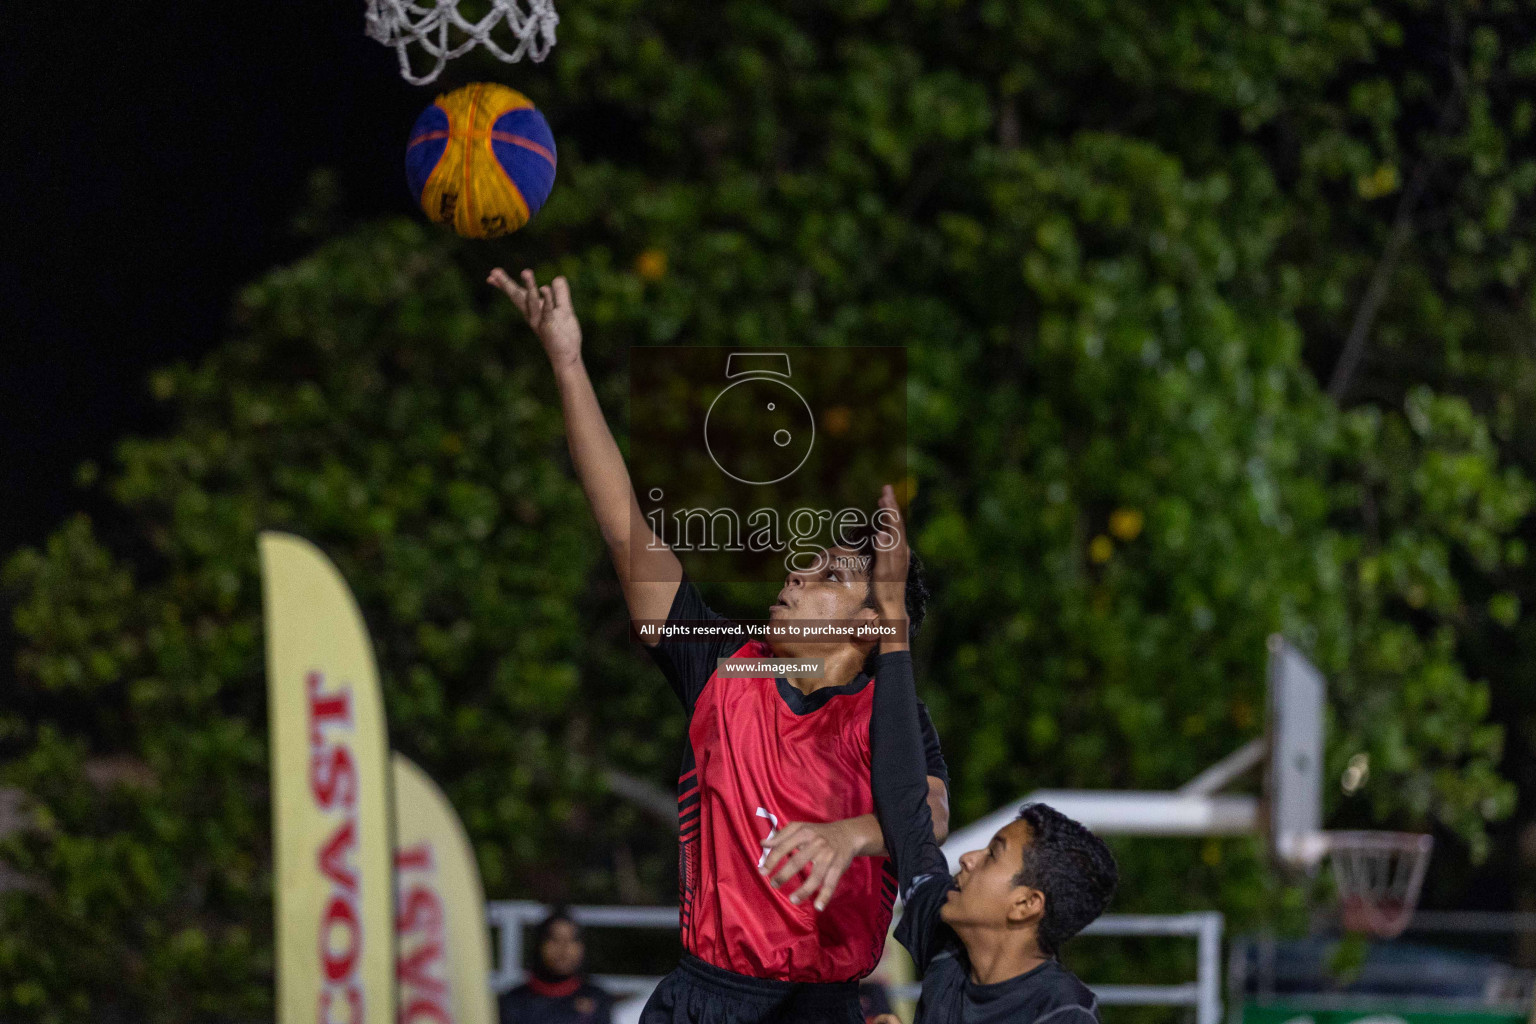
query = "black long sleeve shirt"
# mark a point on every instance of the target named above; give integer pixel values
(1048, 992)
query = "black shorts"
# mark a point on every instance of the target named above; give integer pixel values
(700, 993)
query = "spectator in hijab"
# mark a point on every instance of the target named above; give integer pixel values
(557, 991)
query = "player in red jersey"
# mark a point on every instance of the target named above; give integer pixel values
(763, 753)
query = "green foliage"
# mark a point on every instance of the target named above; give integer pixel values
(1110, 236)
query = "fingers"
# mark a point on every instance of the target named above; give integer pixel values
(778, 846)
(790, 840)
(792, 867)
(829, 885)
(534, 307)
(888, 502)
(776, 856)
(528, 297)
(784, 838)
(501, 279)
(891, 524)
(793, 849)
(810, 885)
(535, 301)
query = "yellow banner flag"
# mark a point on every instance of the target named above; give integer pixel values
(445, 947)
(333, 883)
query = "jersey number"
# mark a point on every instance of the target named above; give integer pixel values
(773, 830)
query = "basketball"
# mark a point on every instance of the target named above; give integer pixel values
(481, 159)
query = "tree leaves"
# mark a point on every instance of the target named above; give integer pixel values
(1111, 236)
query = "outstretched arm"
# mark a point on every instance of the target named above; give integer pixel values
(827, 848)
(897, 759)
(648, 570)
(896, 767)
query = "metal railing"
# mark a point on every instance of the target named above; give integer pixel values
(508, 918)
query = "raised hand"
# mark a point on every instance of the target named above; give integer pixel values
(548, 311)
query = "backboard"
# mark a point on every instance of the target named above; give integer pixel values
(1294, 779)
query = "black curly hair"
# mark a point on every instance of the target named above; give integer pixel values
(1072, 867)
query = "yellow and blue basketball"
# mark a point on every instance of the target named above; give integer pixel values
(481, 159)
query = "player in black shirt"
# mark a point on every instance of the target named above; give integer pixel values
(985, 941)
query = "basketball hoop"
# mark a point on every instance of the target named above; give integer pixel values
(1378, 875)
(443, 33)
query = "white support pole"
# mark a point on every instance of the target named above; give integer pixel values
(1229, 769)
(1121, 812)
(508, 918)
(1208, 1007)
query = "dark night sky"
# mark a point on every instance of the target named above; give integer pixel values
(156, 160)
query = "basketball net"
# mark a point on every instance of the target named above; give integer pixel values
(443, 33)
(1378, 875)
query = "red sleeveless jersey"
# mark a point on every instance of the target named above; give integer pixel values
(758, 765)
(762, 754)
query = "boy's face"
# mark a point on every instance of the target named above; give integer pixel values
(988, 896)
(837, 588)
